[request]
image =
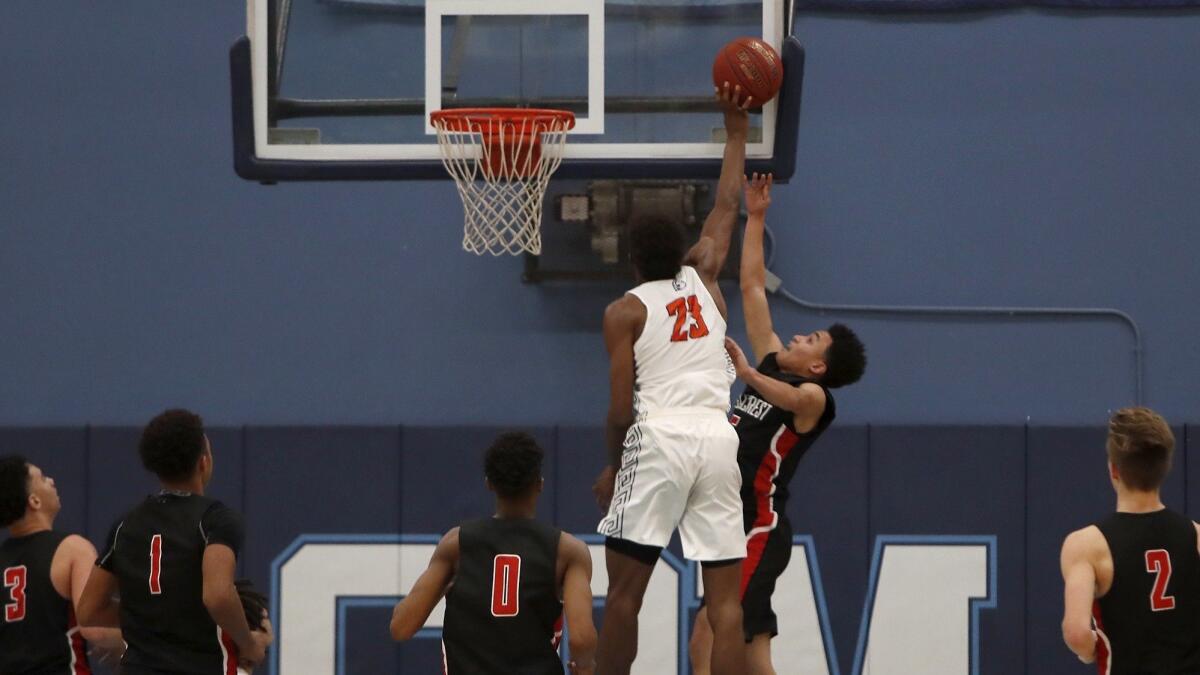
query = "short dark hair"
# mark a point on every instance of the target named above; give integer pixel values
(513, 463)
(1140, 444)
(14, 488)
(656, 248)
(172, 443)
(846, 358)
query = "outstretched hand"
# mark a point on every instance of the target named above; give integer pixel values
(758, 193)
(737, 356)
(737, 120)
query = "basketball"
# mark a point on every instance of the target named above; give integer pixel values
(753, 64)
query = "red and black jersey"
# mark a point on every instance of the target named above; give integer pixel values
(1148, 623)
(770, 448)
(156, 553)
(503, 612)
(38, 634)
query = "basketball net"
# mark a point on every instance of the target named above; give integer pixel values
(501, 160)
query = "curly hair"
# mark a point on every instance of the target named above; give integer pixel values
(14, 488)
(657, 248)
(513, 464)
(172, 443)
(253, 603)
(846, 358)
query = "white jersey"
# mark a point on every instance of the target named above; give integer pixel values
(680, 357)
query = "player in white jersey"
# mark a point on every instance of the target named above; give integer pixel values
(672, 452)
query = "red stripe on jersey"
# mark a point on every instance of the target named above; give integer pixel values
(1103, 655)
(230, 650)
(765, 518)
(768, 471)
(79, 660)
(754, 554)
(557, 639)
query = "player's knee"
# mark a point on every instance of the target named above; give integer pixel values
(725, 616)
(622, 602)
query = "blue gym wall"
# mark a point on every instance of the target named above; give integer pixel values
(1016, 158)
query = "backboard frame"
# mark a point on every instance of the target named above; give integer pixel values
(255, 160)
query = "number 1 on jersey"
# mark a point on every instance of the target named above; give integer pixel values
(155, 564)
(14, 580)
(1158, 563)
(681, 307)
(506, 585)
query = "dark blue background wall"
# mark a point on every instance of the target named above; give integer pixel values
(1024, 158)
(1027, 485)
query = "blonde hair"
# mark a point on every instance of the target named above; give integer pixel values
(1140, 444)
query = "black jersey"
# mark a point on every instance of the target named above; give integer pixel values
(503, 613)
(39, 634)
(770, 448)
(156, 552)
(1149, 621)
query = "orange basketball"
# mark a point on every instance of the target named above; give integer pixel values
(754, 65)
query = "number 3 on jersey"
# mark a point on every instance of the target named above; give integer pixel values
(14, 581)
(681, 307)
(1158, 563)
(506, 585)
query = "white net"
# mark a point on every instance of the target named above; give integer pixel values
(502, 162)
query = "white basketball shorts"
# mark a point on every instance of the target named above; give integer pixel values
(679, 469)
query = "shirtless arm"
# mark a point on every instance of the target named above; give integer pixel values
(577, 604)
(72, 565)
(623, 322)
(759, 327)
(413, 611)
(709, 253)
(1079, 578)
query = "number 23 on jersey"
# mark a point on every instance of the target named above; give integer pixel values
(681, 308)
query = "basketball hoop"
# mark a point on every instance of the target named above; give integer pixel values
(502, 159)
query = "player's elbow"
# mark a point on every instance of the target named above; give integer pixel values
(582, 641)
(216, 598)
(402, 630)
(1079, 636)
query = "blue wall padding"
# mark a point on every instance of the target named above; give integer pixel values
(830, 500)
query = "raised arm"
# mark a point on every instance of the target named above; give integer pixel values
(763, 339)
(577, 602)
(1079, 578)
(413, 611)
(708, 255)
(623, 322)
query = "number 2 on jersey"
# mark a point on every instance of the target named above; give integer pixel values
(1158, 563)
(506, 585)
(681, 307)
(155, 564)
(14, 581)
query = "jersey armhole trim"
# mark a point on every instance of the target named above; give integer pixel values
(113, 548)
